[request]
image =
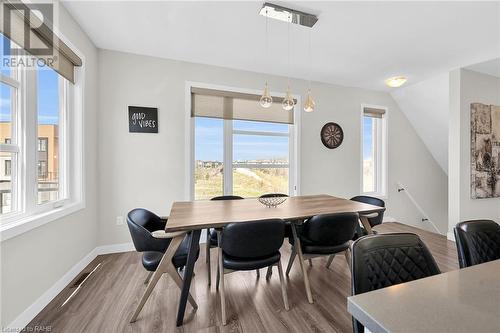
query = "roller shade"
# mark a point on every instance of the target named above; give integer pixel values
(63, 60)
(236, 106)
(373, 112)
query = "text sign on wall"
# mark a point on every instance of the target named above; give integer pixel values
(142, 119)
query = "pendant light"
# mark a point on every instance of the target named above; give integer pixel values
(288, 102)
(309, 103)
(266, 100)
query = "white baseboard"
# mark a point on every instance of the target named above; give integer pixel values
(34, 309)
(115, 248)
(450, 235)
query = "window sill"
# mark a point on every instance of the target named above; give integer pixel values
(27, 223)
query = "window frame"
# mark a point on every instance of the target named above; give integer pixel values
(15, 81)
(228, 133)
(71, 152)
(380, 153)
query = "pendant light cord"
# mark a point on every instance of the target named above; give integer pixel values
(310, 61)
(288, 46)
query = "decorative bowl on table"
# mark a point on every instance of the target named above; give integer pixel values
(272, 201)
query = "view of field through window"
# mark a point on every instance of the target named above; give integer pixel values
(260, 162)
(368, 154)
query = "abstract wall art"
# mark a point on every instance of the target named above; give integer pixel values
(485, 151)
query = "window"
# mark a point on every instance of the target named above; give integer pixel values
(7, 168)
(42, 142)
(260, 158)
(35, 153)
(374, 151)
(241, 157)
(42, 169)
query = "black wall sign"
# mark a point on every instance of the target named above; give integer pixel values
(142, 120)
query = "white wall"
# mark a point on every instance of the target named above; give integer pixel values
(426, 105)
(148, 170)
(32, 262)
(467, 87)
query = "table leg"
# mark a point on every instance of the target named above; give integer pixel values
(366, 224)
(188, 274)
(162, 268)
(302, 266)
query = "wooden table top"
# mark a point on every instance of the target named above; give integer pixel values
(465, 300)
(192, 215)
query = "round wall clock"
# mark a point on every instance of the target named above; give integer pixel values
(332, 135)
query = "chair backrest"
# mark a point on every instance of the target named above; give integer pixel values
(141, 222)
(372, 201)
(330, 229)
(383, 260)
(478, 241)
(227, 197)
(253, 239)
(273, 195)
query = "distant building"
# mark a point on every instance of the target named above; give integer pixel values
(208, 164)
(48, 152)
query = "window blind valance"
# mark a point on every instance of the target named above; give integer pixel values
(236, 106)
(373, 112)
(21, 25)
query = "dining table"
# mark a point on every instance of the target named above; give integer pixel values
(194, 216)
(465, 300)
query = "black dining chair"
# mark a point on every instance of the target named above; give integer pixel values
(478, 241)
(373, 218)
(324, 235)
(248, 246)
(211, 241)
(383, 260)
(288, 225)
(142, 224)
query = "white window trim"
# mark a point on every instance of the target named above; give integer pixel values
(17, 224)
(382, 158)
(294, 139)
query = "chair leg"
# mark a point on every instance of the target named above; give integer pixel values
(347, 255)
(148, 277)
(222, 291)
(290, 261)
(218, 278)
(283, 287)
(258, 273)
(207, 259)
(310, 263)
(330, 259)
(269, 272)
(207, 247)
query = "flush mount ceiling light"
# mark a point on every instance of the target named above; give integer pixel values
(288, 15)
(395, 81)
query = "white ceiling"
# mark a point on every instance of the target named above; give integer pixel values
(491, 67)
(354, 43)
